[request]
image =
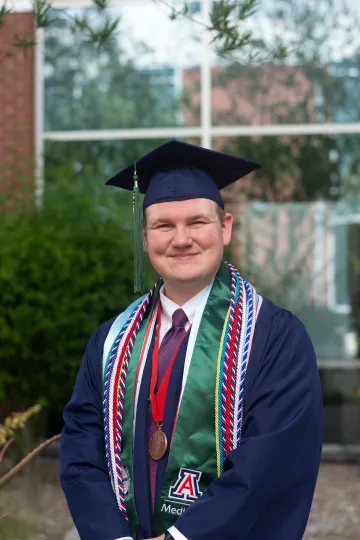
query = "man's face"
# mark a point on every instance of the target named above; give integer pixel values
(185, 240)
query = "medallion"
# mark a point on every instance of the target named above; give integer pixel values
(158, 445)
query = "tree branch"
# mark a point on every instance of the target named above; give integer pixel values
(4, 449)
(15, 470)
(181, 13)
(226, 17)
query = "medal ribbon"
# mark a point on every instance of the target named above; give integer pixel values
(158, 399)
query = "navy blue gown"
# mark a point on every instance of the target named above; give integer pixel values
(266, 490)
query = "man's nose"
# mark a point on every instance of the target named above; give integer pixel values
(181, 237)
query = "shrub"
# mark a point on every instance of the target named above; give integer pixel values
(63, 271)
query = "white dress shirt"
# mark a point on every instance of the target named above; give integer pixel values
(168, 307)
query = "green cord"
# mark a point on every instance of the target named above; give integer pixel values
(139, 282)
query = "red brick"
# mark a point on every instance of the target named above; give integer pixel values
(16, 99)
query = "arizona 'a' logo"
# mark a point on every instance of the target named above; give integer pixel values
(187, 486)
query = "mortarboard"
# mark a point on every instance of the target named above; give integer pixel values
(177, 171)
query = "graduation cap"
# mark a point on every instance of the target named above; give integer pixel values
(177, 171)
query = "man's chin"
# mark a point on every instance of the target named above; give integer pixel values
(185, 275)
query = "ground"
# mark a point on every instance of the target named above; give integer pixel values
(38, 509)
(335, 513)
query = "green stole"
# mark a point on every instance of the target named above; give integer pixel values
(194, 441)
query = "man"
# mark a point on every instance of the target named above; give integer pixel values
(197, 413)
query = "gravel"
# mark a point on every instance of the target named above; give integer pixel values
(335, 513)
(38, 509)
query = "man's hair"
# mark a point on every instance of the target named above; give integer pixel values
(219, 211)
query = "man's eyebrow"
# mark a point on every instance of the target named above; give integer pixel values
(158, 221)
(199, 216)
(168, 220)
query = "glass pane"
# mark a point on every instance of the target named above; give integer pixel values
(88, 165)
(299, 218)
(317, 82)
(341, 234)
(341, 396)
(139, 79)
(96, 160)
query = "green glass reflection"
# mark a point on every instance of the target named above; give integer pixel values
(297, 234)
(137, 79)
(318, 80)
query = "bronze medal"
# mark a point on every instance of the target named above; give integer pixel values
(158, 445)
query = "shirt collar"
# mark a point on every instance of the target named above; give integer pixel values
(168, 307)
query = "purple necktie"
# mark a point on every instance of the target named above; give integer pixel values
(168, 347)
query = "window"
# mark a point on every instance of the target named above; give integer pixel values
(299, 216)
(138, 80)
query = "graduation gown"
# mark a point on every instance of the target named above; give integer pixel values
(266, 490)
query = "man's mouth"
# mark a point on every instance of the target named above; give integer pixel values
(183, 256)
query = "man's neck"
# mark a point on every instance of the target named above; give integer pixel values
(180, 294)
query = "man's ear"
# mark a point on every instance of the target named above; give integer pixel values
(227, 228)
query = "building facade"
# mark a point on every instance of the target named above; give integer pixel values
(297, 219)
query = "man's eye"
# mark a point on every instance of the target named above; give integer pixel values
(164, 226)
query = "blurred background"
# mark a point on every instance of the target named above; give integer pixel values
(87, 87)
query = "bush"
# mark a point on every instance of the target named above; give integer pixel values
(63, 271)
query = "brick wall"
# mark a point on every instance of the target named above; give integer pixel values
(16, 107)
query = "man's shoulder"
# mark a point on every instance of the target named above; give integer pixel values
(105, 335)
(278, 318)
(99, 335)
(103, 330)
(268, 310)
(279, 336)
(104, 327)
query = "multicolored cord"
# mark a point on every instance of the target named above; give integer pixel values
(232, 363)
